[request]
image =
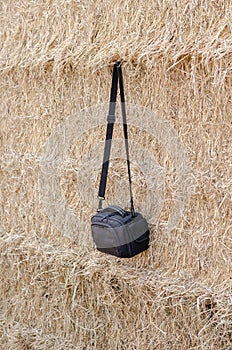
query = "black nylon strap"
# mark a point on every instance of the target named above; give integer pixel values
(125, 131)
(109, 133)
(116, 78)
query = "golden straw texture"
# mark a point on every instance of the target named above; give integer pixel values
(56, 290)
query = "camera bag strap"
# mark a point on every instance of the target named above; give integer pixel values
(116, 80)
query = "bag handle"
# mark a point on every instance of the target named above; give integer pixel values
(115, 209)
(116, 79)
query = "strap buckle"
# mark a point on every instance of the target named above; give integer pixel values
(111, 118)
(101, 199)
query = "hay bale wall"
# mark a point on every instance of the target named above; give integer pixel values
(56, 59)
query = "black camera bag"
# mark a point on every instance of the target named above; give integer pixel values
(116, 231)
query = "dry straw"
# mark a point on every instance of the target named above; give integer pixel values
(56, 59)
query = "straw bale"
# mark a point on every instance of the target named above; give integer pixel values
(56, 60)
(95, 33)
(73, 297)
